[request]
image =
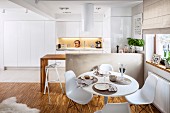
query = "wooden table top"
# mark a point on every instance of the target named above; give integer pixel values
(54, 57)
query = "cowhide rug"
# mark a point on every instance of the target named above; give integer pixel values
(10, 106)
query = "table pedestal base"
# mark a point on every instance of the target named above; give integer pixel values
(105, 100)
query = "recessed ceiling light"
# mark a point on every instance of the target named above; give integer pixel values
(98, 8)
(3, 11)
(66, 12)
(63, 8)
(26, 11)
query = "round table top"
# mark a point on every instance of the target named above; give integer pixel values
(122, 90)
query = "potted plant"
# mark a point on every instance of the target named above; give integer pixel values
(167, 63)
(138, 43)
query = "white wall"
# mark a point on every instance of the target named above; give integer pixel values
(137, 13)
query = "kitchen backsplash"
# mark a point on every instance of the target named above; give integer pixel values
(84, 42)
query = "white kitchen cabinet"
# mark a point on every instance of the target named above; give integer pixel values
(61, 29)
(98, 29)
(10, 43)
(106, 36)
(120, 31)
(24, 44)
(67, 29)
(72, 29)
(50, 37)
(96, 32)
(37, 42)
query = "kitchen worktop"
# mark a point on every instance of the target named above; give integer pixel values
(80, 49)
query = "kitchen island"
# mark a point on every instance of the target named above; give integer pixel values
(44, 63)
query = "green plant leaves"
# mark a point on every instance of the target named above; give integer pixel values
(136, 42)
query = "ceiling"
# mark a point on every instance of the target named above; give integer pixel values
(76, 6)
(100, 6)
(52, 8)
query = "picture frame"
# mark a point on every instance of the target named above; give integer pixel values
(156, 59)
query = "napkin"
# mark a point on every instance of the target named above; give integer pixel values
(112, 87)
(87, 82)
(83, 83)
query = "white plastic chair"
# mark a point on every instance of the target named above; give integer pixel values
(115, 108)
(47, 81)
(145, 95)
(74, 93)
(106, 67)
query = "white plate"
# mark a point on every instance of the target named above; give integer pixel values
(91, 77)
(101, 86)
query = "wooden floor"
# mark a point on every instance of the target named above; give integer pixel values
(29, 93)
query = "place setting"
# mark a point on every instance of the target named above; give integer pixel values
(104, 88)
(86, 80)
(121, 80)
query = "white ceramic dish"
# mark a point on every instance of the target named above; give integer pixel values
(101, 86)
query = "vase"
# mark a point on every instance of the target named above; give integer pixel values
(138, 49)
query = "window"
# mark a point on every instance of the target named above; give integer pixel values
(163, 45)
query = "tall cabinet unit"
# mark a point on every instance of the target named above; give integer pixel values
(106, 36)
(25, 42)
(10, 43)
(37, 42)
(50, 37)
(120, 31)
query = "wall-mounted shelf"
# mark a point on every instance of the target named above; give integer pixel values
(158, 66)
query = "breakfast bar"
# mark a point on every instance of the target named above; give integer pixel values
(44, 62)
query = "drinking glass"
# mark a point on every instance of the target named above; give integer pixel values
(105, 74)
(122, 69)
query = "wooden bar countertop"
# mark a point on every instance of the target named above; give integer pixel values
(54, 57)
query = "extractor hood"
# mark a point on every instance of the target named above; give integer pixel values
(87, 17)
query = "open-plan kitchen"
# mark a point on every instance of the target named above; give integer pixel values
(84, 56)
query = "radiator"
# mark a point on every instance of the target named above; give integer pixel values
(162, 97)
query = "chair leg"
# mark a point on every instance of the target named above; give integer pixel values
(46, 80)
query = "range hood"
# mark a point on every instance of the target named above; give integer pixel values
(87, 17)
